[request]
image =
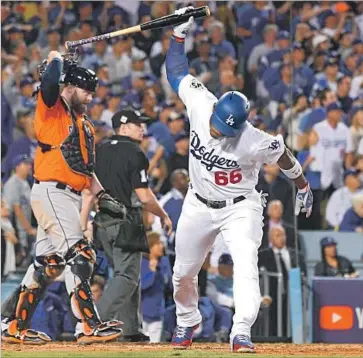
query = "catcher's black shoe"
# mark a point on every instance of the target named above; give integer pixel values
(139, 337)
(28, 336)
(105, 332)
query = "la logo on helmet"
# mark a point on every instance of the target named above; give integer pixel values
(230, 120)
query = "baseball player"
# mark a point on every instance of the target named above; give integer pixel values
(226, 153)
(64, 167)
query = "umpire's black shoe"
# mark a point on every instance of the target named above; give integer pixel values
(139, 337)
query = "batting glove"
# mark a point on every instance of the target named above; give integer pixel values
(181, 30)
(304, 201)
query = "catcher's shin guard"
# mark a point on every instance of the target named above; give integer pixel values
(18, 331)
(34, 284)
(82, 302)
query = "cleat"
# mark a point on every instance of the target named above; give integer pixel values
(183, 337)
(105, 332)
(242, 344)
(27, 336)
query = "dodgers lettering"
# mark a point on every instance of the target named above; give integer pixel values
(208, 158)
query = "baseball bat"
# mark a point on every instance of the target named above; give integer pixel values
(164, 21)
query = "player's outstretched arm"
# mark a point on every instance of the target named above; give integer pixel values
(49, 86)
(176, 64)
(292, 169)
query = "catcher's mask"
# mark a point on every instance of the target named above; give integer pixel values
(82, 78)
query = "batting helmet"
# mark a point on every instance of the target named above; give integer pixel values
(230, 113)
(82, 78)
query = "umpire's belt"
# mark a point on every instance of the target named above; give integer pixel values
(62, 186)
(219, 204)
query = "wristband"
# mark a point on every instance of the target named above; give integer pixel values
(178, 39)
(294, 172)
(100, 193)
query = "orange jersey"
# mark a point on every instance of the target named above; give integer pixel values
(52, 126)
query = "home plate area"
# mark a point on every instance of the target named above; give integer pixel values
(70, 350)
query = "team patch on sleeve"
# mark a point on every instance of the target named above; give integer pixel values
(195, 84)
(274, 145)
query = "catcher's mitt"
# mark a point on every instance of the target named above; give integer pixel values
(109, 205)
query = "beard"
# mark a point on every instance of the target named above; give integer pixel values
(77, 105)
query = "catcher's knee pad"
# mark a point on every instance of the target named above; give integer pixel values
(48, 268)
(82, 265)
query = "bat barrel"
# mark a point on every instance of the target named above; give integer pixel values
(172, 20)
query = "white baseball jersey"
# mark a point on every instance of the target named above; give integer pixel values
(329, 152)
(222, 169)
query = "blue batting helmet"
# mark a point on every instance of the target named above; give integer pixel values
(230, 113)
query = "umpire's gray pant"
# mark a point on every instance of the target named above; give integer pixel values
(121, 298)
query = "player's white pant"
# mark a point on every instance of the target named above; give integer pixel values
(240, 225)
(154, 330)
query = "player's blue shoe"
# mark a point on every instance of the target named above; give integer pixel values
(242, 344)
(183, 337)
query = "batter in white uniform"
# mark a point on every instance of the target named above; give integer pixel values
(226, 154)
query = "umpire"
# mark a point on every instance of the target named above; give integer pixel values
(122, 168)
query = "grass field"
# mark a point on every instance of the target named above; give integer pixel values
(199, 350)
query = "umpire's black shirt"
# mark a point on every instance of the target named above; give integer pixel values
(121, 167)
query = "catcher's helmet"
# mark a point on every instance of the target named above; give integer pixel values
(230, 113)
(82, 78)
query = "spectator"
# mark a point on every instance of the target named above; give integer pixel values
(308, 162)
(251, 19)
(53, 42)
(53, 314)
(332, 143)
(172, 203)
(331, 264)
(144, 40)
(17, 196)
(202, 66)
(356, 134)
(176, 124)
(119, 60)
(331, 73)
(349, 65)
(155, 280)
(219, 45)
(113, 105)
(275, 211)
(97, 58)
(97, 290)
(179, 160)
(343, 89)
(158, 60)
(269, 38)
(353, 218)
(341, 199)
(279, 259)
(95, 110)
(220, 285)
(274, 55)
(8, 242)
(292, 116)
(277, 188)
(321, 99)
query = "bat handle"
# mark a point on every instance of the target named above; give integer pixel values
(72, 44)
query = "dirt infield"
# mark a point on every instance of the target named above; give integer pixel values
(162, 350)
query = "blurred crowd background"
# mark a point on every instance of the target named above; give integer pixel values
(301, 65)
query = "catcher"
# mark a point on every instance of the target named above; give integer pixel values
(63, 168)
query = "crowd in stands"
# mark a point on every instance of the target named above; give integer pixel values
(300, 63)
